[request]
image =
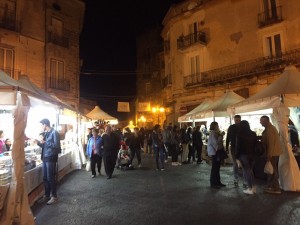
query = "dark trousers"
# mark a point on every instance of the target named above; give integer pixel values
(198, 150)
(96, 159)
(159, 156)
(191, 155)
(109, 164)
(272, 180)
(173, 150)
(215, 171)
(49, 169)
(136, 151)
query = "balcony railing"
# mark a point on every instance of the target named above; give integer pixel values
(58, 84)
(244, 69)
(166, 81)
(191, 39)
(58, 40)
(269, 17)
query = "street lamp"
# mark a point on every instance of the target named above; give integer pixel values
(142, 120)
(158, 110)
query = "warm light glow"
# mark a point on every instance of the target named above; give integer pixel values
(161, 109)
(158, 109)
(130, 122)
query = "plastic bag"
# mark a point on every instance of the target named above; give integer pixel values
(88, 165)
(268, 168)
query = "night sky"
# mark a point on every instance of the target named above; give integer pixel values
(107, 47)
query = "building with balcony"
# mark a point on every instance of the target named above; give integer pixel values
(215, 46)
(40, 38)
(150, 68)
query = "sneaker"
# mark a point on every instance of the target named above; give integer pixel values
(248, 191)
(174, 164)
(162, 169)
(179, 164)
(130, 165)
(52, 200)
(43, 199)
(140, 165)
(93, 176)
(166, 161)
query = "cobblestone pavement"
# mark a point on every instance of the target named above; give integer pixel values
(177, 196)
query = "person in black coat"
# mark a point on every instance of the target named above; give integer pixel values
(135, 142)
(111, 145)
(245, 144)
(197, 143)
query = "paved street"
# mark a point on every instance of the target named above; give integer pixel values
(177, 196)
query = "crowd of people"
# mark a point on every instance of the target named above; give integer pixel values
(183, 145)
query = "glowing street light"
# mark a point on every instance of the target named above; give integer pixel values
(158, 110)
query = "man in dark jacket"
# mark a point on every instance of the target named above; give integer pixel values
(111, 144)
(231, 139)
(50, 144)
(197, 143)
(135, 142)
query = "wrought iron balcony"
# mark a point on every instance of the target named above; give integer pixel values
(59, 84)
(166, 81)
(184, 42)
(58, 40)
(244, 69)
(269, 17)
(7, 19)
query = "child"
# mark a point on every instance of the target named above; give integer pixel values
(123, 156)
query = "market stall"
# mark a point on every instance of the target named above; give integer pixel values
(98, 114)
(279, 98)
(22, 99)
(190, 116)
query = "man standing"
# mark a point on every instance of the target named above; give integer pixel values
(231, 139)
(271, 142)
(111, 144)
(50, 145)
(135, 142)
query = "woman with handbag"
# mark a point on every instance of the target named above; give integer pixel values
(214, 147)
(245, 144)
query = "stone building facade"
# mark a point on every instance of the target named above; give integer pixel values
(40, 38)
(215, 46)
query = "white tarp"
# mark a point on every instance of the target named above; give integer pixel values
(193, 113)
(219, 107)
(98, 114)
(281, 94)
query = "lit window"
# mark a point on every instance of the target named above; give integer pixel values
(7, 61)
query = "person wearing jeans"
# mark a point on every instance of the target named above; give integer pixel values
(271, 142)
(50, 144)
(157, 141)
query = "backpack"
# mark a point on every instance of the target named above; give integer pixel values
(259, 149)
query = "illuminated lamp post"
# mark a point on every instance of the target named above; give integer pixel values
(142, 120)
(158, 110)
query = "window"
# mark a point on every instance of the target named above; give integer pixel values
(7, 61)
(273, 45)
(195, 65)
(8, 14)
(57, 27)
(56, 73)
(270, 9)
(148, 88)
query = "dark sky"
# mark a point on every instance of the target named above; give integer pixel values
(107, 47)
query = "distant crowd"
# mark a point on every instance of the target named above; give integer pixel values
(184, 145)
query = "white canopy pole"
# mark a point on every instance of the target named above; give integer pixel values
(17, 210)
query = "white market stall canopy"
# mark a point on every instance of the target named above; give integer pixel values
(286, 89)
(98, 114)
(193, 113)
(219, 107)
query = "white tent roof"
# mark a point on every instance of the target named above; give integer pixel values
(98, 114)
(219, 107)
(192, 114)
(285, 88)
